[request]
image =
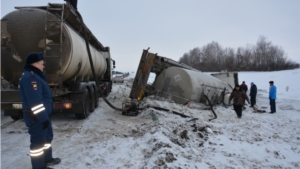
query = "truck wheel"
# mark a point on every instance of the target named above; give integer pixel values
(14, 114)
(92, 97)
(15, 118)
(85, 106)
(18, 117)
(96, 95)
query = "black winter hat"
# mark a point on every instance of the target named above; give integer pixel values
(237, 85)
(271, 82)
(34, 57)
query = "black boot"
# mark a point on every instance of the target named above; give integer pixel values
(53, 161)
(47, 167)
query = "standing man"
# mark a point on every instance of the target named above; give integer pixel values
(253, 92)
(244, 87)
(272, 97)
(37, 108)
(239, 98)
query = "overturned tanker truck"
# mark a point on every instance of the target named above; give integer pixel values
(77, 66)
(179, 82)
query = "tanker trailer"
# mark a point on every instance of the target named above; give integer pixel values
(58, 32)
(183, 85)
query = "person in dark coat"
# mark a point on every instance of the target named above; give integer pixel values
(37, 108)
(253, 92)
(272, 97)
(239, 97)
(244, 87)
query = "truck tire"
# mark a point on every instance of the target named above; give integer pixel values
(93, 100)
(15, 118)
(96, 95)
(14, 114)
(85, 106)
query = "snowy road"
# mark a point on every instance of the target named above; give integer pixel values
(109, 140)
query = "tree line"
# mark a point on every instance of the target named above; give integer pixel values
(263, 56)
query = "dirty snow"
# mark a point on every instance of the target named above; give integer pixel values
(108, 140)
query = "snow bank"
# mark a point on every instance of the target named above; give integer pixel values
(108, 139)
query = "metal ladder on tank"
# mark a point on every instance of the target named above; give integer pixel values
(54, 71)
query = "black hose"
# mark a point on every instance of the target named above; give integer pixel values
(211, 106)
(174, 112)
(92, 66)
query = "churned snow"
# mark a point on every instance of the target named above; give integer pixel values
(109, 140)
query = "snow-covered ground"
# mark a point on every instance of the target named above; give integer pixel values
(108, 140)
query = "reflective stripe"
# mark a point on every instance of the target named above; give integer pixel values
(36, 152)
(46, 146)
(38, 108)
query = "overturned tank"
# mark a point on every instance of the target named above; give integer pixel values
(179, 82)
(183, 85)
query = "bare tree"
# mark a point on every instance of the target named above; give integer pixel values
(264, 56)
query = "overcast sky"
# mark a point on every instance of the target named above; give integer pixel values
(173, 27)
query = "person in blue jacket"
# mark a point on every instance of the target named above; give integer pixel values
(253, 92)
(272, 97)
(37, 108)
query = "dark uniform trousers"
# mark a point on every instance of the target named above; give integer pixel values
(40, 147)
(253, 100)
(238, 110)
(36, 96)
(273, 105)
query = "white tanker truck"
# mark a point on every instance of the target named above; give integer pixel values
(77, 66)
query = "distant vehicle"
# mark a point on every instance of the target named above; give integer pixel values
(118, 79)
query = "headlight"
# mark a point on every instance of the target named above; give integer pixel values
(17, 106)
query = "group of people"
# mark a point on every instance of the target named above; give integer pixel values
(239, 96)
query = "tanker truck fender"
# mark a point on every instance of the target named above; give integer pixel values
(105, 88)
(109, 84)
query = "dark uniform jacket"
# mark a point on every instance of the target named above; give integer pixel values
(238, 97)
(35, 94)
(253, 90)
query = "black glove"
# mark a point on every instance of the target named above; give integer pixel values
(31, 115)
(45, 124)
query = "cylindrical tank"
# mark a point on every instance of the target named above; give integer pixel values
(23, 31)
(182, 85)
